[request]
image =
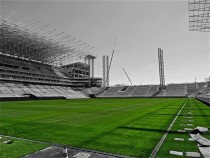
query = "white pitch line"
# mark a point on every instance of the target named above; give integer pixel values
(156, 149)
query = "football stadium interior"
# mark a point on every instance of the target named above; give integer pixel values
(49, 99)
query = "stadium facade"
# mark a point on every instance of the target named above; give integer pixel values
(35, 54)
(38, 61)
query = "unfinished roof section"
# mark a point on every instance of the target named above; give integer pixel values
(25, 36)
(199, 15)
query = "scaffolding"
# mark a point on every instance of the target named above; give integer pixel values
(25, 37)
(104, 70)
(199, 18)
(161, 68)
(199, 15)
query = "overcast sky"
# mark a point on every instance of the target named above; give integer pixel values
(141, 27)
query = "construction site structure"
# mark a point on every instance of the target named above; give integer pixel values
(32, 51)
(106, 66)
(199, 19)
(161, 69)
(104, 70)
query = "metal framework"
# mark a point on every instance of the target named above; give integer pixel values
(104, 70)
(199, 15)
(26, 37)
(107, 71)
(161, 67)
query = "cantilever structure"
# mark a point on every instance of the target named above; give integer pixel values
(199, 15)
(24, 36)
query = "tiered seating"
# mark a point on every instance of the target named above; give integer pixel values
(111, 92)
(161, 93)
(15, 69)
(204, 95)
(152, 90)
(202, 85)
(131, 91)
(176, 90)
(192, 88)
(20, 90)
(127, 92)
(5, 92)
(141, 90)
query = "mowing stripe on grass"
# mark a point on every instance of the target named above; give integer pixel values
(30, 140)
(105, 154)
(156, 149)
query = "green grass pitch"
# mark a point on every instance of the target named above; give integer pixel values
(129, 127)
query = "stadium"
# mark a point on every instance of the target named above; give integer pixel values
(53, 105)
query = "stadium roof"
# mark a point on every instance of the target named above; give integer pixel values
(199, 15)
(24, 36)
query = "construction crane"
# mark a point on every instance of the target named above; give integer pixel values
(111, 60)
(127, 76)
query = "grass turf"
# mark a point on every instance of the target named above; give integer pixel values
(130, 127)
(200, 117)
(18, 148)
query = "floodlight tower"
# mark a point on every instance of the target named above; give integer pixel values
(107, 71)
(199, 19)
(104, 70)
(161, 69)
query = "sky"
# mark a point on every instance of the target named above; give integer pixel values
(141, 27)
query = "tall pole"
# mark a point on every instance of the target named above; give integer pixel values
(109, 64)
(209, 63)
(104, 70)
(163, 74)
(89, 70)
(92, 68)
(108, 68)
(161, 68)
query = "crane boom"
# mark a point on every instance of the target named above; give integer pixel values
(111, 60)
(127, 76)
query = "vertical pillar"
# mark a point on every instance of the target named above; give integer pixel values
(159, 62)
(107, 67)
(92, 68)
(161, 68)
(163, 74)
(89, 72)
(104, 70)
(89, 67)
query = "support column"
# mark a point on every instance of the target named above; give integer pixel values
(89, 67)
(104, 70)
(107, 67)
(161, 68)
(89, 72)
(92, 68)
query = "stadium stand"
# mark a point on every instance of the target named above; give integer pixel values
(141, 91)
(204, 95)
(192, 88)
(40, 91)
(126, 91)
(172, 90)
(131, 91)
(161, 93)
(32, 62)
(178, 90)
(111, 92)
(153, 89)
